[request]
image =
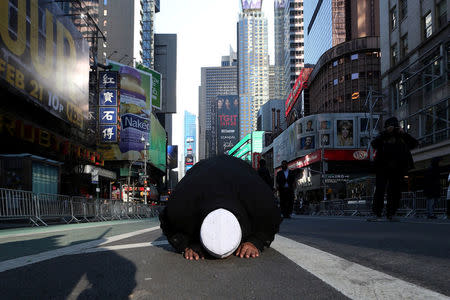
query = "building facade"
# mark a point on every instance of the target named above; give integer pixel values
(166, 65)
(344, 76)
(415, 82)
(129, 31)
(331, 22)
(253, 65)
(215, 81)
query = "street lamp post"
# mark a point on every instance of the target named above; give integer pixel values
(145, 167)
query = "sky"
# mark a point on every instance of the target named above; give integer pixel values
(205, 30)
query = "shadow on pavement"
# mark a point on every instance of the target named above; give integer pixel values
(103, 275)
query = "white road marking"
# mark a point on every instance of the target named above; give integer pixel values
(123, 247)
(31, 259)
(351, 279)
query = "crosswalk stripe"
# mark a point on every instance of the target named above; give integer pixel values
(351, 279)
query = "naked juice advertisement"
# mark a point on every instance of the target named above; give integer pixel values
(135, 111)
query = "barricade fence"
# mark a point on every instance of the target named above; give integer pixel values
(39, 208)
(412, 204)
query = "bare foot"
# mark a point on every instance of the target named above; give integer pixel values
(247, 250)
(191, 254)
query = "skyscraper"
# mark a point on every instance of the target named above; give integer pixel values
(215, 81)
(253, 62)
(190, 140)
(293, 43)
(128, 27)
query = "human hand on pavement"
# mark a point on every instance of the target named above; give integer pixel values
(247, 250)
(191, 254)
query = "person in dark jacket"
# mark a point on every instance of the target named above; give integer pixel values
(392, 161)
(226, 185)
(264, 173)
(285, 187)
(432, 190)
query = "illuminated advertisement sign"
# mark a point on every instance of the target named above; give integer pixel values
(46, 140)
(108, 111)
(155, 85)
(44, 57)
(158, 146)
(251, 4)
(227, 122)
(300, 84)
(134, 111)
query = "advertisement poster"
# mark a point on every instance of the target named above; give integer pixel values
(172, 156)
(227, 122)
(251, 4)
(344, 134)
(158, 146)
(135, 112)
(45, 58)
(156, 85)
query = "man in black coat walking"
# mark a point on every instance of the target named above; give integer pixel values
(264, 173)
(215, 185)
(285, 187)
(392, 161)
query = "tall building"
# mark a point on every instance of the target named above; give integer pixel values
(215, 81)
(149, 8)
(190, 140)
(293, 43)
(166, 64)
(331, 22)
(280, 82)
(128, 28)
(253, 62)
(415, 83)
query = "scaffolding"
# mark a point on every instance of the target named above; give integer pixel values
(423, 90)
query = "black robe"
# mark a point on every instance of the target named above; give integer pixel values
(220, 182)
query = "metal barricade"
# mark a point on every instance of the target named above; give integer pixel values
(78, 209)
(407, 204)
(53, 206)
(17, 204)
(105, 208)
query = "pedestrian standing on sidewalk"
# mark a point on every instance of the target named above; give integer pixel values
(264, 173)
(285, 187)
(221, 206)
(392, 161)
(432, 190)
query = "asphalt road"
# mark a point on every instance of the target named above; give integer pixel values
(311, 258)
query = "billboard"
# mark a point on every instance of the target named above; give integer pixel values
(227, 122)
(251, 4)
(155, 85)
(300, 84)
(108, 106)
(158, 144)
(172, 156)
(328, 131)
(45, 58)
(134, 114)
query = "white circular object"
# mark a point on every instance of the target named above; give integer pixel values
(220, 233)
